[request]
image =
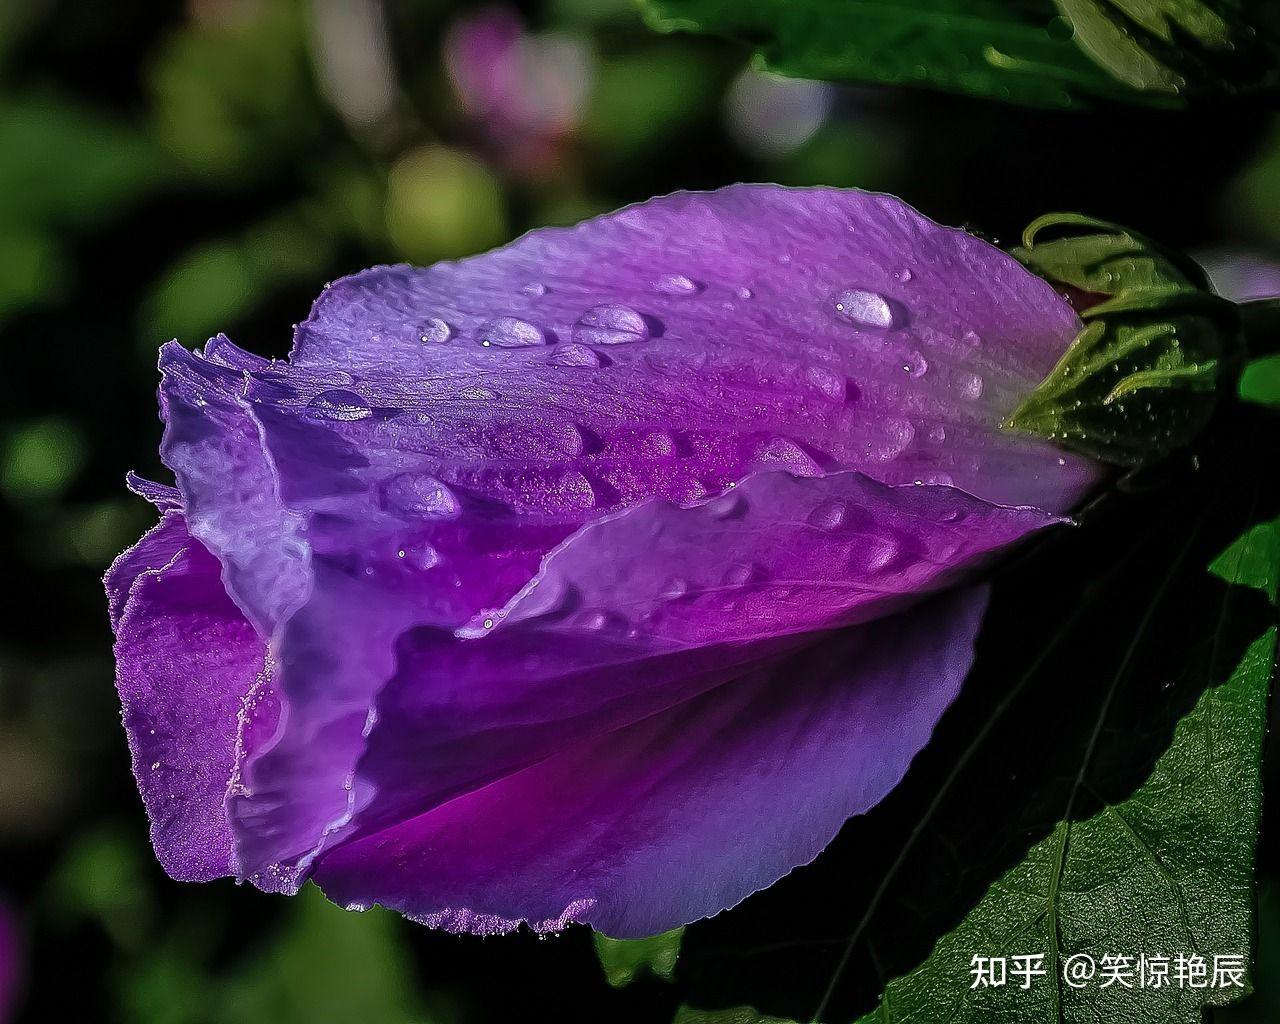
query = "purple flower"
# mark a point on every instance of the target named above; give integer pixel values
(601, 577)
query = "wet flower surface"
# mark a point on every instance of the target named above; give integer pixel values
(601, 577)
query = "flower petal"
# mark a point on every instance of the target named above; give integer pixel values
(641, 611)
(686, 812)
(186, 663)
(814, 329)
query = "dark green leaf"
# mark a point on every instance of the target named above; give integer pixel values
(736, 1015)
(1167, 871)
(1040, 52)
(624, 959)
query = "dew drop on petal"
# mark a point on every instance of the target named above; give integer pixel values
(658, 443)
(970, 386)
(828, 515)
(739, 574)
(574, 355)
(915, 365)
(878, 554)
(435, 331)
(937, 434)
(534, 289)
(828, 381)
(890, 439)
(420, 556)
(744, 292)
(510, 332)
(730, 505)
(688, 491)
(420, 494)
(339, 404)
(785, 454)
(610, 324)
(576, 491)
(867, 309)
(677, 284)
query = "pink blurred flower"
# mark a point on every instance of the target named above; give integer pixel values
(525, 92)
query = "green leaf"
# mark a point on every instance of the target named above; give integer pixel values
(1260, 381)
(1251, 561)
(1038, 52)
(736, 1015)
(1145, 374)
(1166, 870)
(624, 959)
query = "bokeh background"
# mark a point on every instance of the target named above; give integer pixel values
(176, 169)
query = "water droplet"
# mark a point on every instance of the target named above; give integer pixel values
(689, 491)
(970, 386)
(676, 587)
(828, 515)
(730, 505)
(658, 443)
(786, 454)
(868, 309)
(600, 620)
(510, 332)
(420, 556)
(419, 494)
(678, 284)
(535, 289)
(739, 574)
(934, 479)
(744, 293)
(478, 394)
(904, 275)
(828, 381)
(576, 490)
(938, 434)
(574, 355)
(878, 553)
(890, 440)
(339, 404)
(435, 331)
(569, 440)
(915, 365)
(610, 324)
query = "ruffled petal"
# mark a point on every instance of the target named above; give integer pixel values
(688, 811)
(187, 662)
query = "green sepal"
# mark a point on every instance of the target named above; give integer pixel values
(623, 960)
(1157, 350)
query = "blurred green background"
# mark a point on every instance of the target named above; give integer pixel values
(173, 169)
